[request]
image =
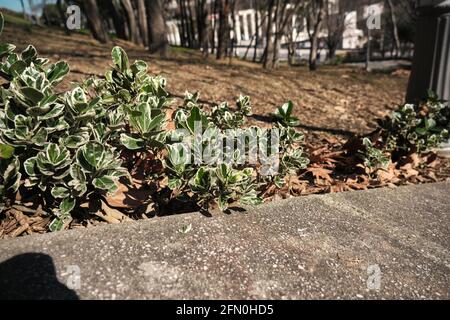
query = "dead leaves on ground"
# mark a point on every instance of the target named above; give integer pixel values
(23, 219)
(332, 170)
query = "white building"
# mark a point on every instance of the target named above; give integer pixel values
(246, 17)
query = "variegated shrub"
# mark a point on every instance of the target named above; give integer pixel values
(73, 146)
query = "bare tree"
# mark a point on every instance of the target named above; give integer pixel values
(157, 30)
(192, 31)
(335, 24)
(293, 32)
(258, 26)
(223, 7)
(92, 14)
(409, 6)
(394, 27)
(369, 45)
(314, 19)
(268, 50)
(119, 20)
(132, 22)
(187, 36)
(202, 25)
(279, 15)
(142, 18)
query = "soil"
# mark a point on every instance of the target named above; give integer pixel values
(335, 100)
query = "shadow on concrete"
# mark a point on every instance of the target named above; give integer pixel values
(32, 276)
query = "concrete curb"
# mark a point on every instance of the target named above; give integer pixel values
(383, 243)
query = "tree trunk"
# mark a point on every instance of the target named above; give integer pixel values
(157, 31)
(277, 38)
(62, 15)
(331, 52)
(213, 25)
(112, 11)
(368, 49)
(268, 51)
(186, 21)
(255, 51)
(224, 28)
(202, 25)
(142, 18)
(317, 15)
(194, 43)
(233, 42)
(313, 53)
(132, 23)
(394, 27)
(120, 24)
(93, 17)
(183, 38)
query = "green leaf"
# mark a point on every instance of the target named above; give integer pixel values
(12, 175)
(67, 205)
(131, 143)
(147, 120)
(60, 192)
(139, 66)
(30, 166)
(56, 225)
(57, 72)
(6, 151)
(17, 68)
(54, 112)
(52, 151)
(284, 115)
(222, 202)
(91, 155)
(6, 48)
(279, 182)
(202, 180)
(40, 138)
(2, 23)
(120, 59)
(430, 123)
(74, 141)
(105, 183)
(76, 172)
(250, 200)
(421, 131)
(175, 183)
(29, 54)
(194, 117)
(32, 94)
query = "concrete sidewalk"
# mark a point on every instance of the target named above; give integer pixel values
(384, 243)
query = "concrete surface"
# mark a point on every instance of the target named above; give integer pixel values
(386, 66)
(330, 246)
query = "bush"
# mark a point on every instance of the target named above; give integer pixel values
(411, 129)
(416, 128)
(75, 146)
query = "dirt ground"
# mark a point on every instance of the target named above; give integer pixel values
(334, 100)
